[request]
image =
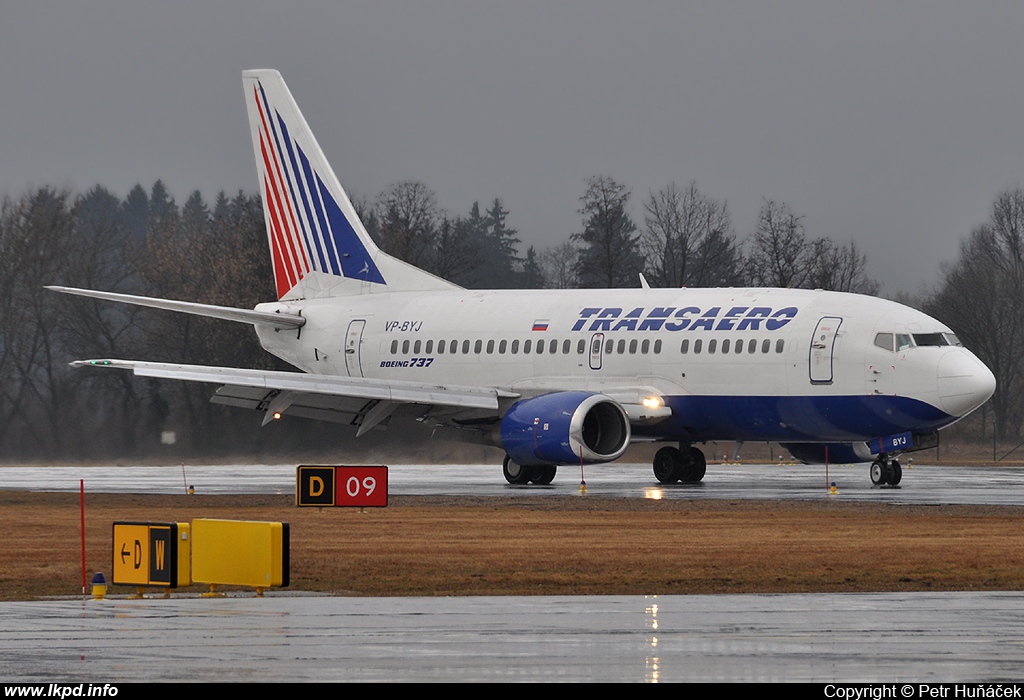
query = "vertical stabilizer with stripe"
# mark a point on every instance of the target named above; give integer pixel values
(318, 245)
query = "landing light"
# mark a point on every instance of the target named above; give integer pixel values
(653, 402)
(277, 415)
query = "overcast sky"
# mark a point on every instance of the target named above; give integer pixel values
(894, 124)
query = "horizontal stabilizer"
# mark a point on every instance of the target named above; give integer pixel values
(281, 321)
(358, 387)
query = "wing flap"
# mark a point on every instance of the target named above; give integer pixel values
(355, 387)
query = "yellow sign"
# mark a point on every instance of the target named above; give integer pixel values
(240, 552)
(146, 554)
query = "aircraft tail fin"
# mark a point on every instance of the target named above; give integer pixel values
(318, 245)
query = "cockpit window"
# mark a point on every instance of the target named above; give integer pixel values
(903, 342)
(884, 341)
(936, 339)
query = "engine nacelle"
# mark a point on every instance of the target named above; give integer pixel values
(562, 427)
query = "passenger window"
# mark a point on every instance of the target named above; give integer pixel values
(609, 345)
(440, 347)
(632, 347)
(645, 347)
(657, 347)
(725, 346)
(685, 347)
(416, 347)
(527, 345)
(751, 347)
(465, 347)
(394, 347)
(515, 347)
(765, 345)
(567, 346)
(540, 347)
(712, 344)
(553, 346)
(582, 346)
(696, 346)
(739, 347)
(622, 347)
(778, 345)
(884, 341)
(502, 346)
(453, 347)
(477, 346)
(430, 346)
(490, 347)
(405, 347)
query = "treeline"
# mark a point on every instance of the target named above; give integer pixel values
(217, 253)
(682, 238)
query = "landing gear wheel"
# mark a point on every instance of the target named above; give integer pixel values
(877, 472)
(897, 473)
(698, 466)
(667, 463)
(516, 473)
(543, 475)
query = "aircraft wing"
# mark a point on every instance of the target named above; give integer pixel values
(357, 400)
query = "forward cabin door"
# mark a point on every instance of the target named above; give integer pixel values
(823, 345)
(353, 346)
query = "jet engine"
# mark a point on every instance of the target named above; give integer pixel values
(565, 427)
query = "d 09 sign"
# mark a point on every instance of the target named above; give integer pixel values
(351, 486)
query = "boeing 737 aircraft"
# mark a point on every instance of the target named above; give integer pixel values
(556, 377)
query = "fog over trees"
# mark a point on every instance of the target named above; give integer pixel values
(217, 253)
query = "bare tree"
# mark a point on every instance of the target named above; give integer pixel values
(778, 257)
(688, 239)
(407, 221)
(980, 300)
(839, 268)
(560, 265)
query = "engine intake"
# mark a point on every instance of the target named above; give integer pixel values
(562, 427)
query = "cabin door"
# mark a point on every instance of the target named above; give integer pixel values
(353, 348)
(823, 345)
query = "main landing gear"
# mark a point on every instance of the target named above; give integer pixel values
(685, 463)
(886, 470)
(516, 473)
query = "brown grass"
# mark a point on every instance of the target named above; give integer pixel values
(551, 545)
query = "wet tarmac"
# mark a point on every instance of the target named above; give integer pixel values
(828, 638)
(913, 638)
(922, 484)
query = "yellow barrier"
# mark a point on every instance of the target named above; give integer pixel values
(240, 553)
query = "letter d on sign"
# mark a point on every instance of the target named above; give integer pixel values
(314, 486)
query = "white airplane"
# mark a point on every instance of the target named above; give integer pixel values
(556, 377)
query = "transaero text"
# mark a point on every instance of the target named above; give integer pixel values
(693, 318)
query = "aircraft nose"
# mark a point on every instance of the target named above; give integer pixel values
(964, 382)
